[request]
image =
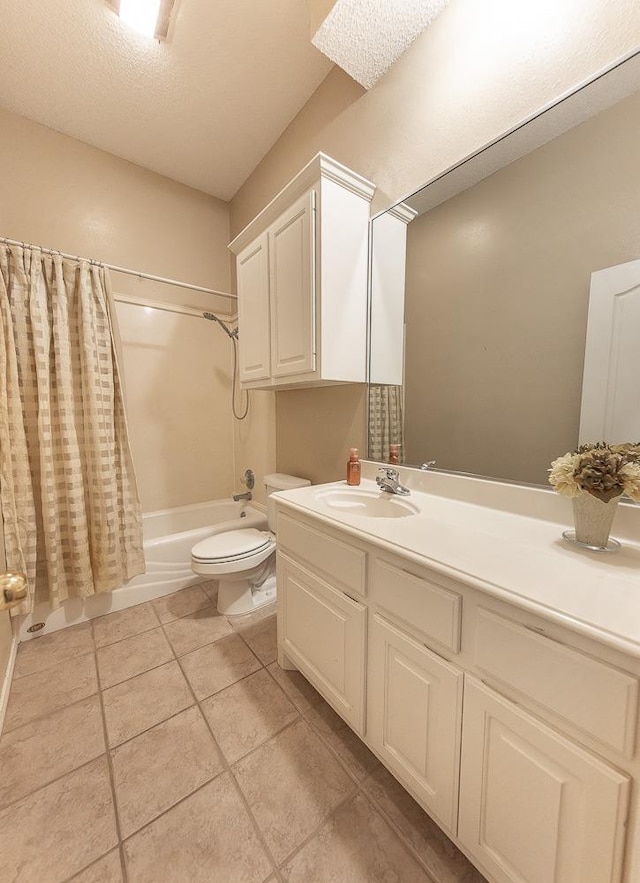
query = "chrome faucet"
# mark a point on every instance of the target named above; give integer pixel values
(246, 496)
(388, 479)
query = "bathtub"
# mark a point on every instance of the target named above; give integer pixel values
(169, 536)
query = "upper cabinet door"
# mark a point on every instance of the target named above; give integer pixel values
(253, 310)
(292, 251)
(535, 807)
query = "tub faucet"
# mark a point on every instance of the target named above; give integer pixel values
(246, 496)
(388, 479)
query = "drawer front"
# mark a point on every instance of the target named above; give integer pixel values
(324, 633)
(594, 697)
(419, 601)
(341, 564)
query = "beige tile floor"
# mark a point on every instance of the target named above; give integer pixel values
(164, 744)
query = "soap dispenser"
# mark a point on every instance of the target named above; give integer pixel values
(353, 467)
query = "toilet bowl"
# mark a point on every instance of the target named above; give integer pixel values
(243, 560)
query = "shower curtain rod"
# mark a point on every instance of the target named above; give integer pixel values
(167, 308)
(125, 270)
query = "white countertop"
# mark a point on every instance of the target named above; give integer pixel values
(509, 555)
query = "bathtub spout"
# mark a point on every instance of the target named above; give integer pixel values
(246, 496)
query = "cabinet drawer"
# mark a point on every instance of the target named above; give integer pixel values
(324, 633)
(419, 601)
(595, 697)
(343, 565)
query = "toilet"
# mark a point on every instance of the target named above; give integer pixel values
(243, 561)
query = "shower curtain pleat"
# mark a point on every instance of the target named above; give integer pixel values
(70, 505)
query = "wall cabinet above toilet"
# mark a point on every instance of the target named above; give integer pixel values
(302, 282)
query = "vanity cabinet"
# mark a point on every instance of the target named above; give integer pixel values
(517, 736)
(535, 806)
(302, 282)
(321, 622)
(414, 716)
(324, 635)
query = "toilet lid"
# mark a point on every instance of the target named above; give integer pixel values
(232, 544)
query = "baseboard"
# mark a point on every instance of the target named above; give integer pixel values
(6, 683)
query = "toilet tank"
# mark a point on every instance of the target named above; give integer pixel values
(279, 481)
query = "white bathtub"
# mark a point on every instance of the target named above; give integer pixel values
(169, 536)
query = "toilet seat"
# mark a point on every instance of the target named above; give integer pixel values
(232, 551)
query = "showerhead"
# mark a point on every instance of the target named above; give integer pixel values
(230, 332)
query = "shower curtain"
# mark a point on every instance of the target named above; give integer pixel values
(385, 421)
(68, 495)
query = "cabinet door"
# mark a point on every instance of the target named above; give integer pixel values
(292, 277)
(253, 311)
(414, 715)
(323, 632)
(534, 807)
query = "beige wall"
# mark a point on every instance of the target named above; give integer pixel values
(255, 441)
(316, 428)
(497, 298)
(478, 70)
(61, 193)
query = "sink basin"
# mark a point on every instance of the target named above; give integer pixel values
(368, 504)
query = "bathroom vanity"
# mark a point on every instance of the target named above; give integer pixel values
(491, 667)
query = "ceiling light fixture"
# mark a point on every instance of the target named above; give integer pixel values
(148, 17)
(141, 15)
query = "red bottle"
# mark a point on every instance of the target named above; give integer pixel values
(353, 467)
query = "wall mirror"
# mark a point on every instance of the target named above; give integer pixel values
(481, 284)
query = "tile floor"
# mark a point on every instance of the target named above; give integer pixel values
(163, 743)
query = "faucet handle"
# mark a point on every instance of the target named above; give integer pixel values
(387, 472)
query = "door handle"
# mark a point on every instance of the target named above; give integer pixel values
(13, 589)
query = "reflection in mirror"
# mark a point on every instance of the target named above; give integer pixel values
(497, 282)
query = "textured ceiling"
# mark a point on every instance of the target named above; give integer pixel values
(365, 37)
(203, 108)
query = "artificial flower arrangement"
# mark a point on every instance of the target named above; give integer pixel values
(602, 470)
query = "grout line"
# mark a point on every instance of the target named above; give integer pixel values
(111, 778)
(134, 635)
(282, 730)
(39, 671)
(194, 649)
(53, 782)
(397, 830)
(91, 864)
(147, 729)
(294, 852)
(39, 717)
(226, 768)
(173, 806)
(137, 674)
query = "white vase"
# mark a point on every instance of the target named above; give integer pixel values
(593, 519)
